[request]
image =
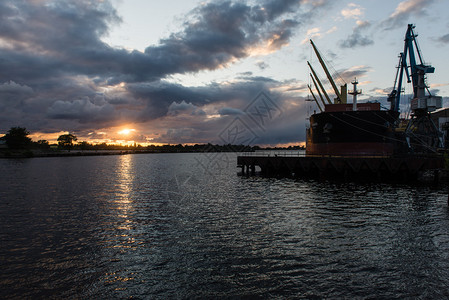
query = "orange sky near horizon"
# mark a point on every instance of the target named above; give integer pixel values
(127, 132)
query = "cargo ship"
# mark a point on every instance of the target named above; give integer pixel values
(365, 129)
(339, 130)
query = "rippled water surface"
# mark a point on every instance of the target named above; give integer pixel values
(186, 226)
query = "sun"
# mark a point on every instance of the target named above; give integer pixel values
(126, 131)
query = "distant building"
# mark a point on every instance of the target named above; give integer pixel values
(441, 120)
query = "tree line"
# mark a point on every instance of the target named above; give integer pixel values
(18, 138)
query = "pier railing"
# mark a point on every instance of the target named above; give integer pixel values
(275, 153)
(302, 153)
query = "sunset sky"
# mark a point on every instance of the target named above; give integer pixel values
(186, 71)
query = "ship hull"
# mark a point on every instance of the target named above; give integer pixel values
(352, 133)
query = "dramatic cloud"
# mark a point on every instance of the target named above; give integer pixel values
(228, 111)
(404, 10)
(64, 37)
(13, 94)
(62, 76)
(13, 88)
(83, 110)
(182, 108)
(220, 33)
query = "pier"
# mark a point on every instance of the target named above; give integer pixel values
(341, 167)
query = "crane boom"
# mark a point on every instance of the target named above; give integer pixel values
(421, 132)
(318, 90)
(341, 96)
(313, 95)
(320, 84)
(417, 71)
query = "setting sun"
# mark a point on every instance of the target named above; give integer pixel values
(126, 131)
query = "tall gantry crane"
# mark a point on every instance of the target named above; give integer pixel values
(421, 132)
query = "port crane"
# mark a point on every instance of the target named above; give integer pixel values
(421, 132)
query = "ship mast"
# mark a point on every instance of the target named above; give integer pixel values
(354, 94)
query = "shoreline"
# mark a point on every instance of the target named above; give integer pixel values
(62, 153)
(7, 154)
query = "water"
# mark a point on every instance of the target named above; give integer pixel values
(185, 226)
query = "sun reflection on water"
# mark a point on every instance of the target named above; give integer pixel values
(121, 236)
(126, 177)
(124, 203)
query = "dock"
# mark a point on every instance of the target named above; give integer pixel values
(381, 168)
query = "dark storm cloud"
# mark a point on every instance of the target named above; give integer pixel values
(50, 38)
(57, 73)
(159, 96)
(223, 103)
(178, 136)
(281, 129)
(221, 32)
(64, 37)
(184, 108)
(229, 111)
(13, 94)
(83, 110)
(13, 88)
(356, 38)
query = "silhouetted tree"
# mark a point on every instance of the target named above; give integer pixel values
(17, 138)
(84, 145)
(65, 141)
(42, 144)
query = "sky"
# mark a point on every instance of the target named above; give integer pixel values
(187, 71)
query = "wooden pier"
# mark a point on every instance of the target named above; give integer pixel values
(376, 168)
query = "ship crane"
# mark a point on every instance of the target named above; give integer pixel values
(341, 94)
(317, 79)
(421, 133)
(316, 100)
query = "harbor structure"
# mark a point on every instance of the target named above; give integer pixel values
(345, 139)
(374, 168)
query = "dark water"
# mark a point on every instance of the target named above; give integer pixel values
(185, 226)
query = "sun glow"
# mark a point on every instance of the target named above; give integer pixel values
(126, 131)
